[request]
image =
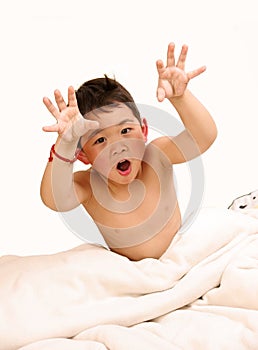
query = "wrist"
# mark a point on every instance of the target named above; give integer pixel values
(174, 100)
(66, 147)
(66, 152)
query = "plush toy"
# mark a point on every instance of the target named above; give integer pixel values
(247, 204)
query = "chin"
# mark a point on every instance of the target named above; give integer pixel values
(124, 179)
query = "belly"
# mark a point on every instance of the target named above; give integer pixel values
(157, 245)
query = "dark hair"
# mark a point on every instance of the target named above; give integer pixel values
(100, 92)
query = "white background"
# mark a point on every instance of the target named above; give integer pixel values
(54, 44)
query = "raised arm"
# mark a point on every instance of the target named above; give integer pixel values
(60, 189)
(200, 129)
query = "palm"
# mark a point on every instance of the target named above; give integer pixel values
(67, 118)
(70, 124)
(173, 79)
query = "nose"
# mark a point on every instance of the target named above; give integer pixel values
(118, 148)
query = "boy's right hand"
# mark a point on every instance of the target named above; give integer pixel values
(70, 123)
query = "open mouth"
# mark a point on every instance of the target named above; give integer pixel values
(124, 167)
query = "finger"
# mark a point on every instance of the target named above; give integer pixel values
(160, 67)
(72, 102)
(160, 94)
(182, 57)
(83, 126)
(51, 128)
(171, 55)
(52, 109)
(194, 73)
(59, 100)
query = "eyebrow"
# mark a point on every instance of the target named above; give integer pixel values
(95, 132)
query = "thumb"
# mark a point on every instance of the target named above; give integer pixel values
(160, 94)
(91, 124)
(82, 126)
(51, 128)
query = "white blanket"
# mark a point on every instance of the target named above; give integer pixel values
(201, 294)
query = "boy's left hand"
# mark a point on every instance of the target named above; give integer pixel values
(173, 79)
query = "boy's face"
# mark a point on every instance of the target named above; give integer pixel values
(116, 148)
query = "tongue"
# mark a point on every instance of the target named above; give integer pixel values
(123, 166)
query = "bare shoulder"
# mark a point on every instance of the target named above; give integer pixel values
(154, 154)
(82, 176)
(166, 146)
(177, 149)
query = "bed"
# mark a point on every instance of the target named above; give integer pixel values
(201, 294)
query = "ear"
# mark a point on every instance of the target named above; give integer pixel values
(145, 129)
(83, 157)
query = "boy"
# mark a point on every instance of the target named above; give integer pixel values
(128, 190)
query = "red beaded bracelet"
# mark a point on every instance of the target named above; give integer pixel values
(52, 151)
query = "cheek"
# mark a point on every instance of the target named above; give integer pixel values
(102, 163)
(137, 149)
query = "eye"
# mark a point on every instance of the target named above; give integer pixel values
(254, 197)
(126, 130)
(99, 140)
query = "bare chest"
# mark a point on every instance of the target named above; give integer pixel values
(131, 219)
